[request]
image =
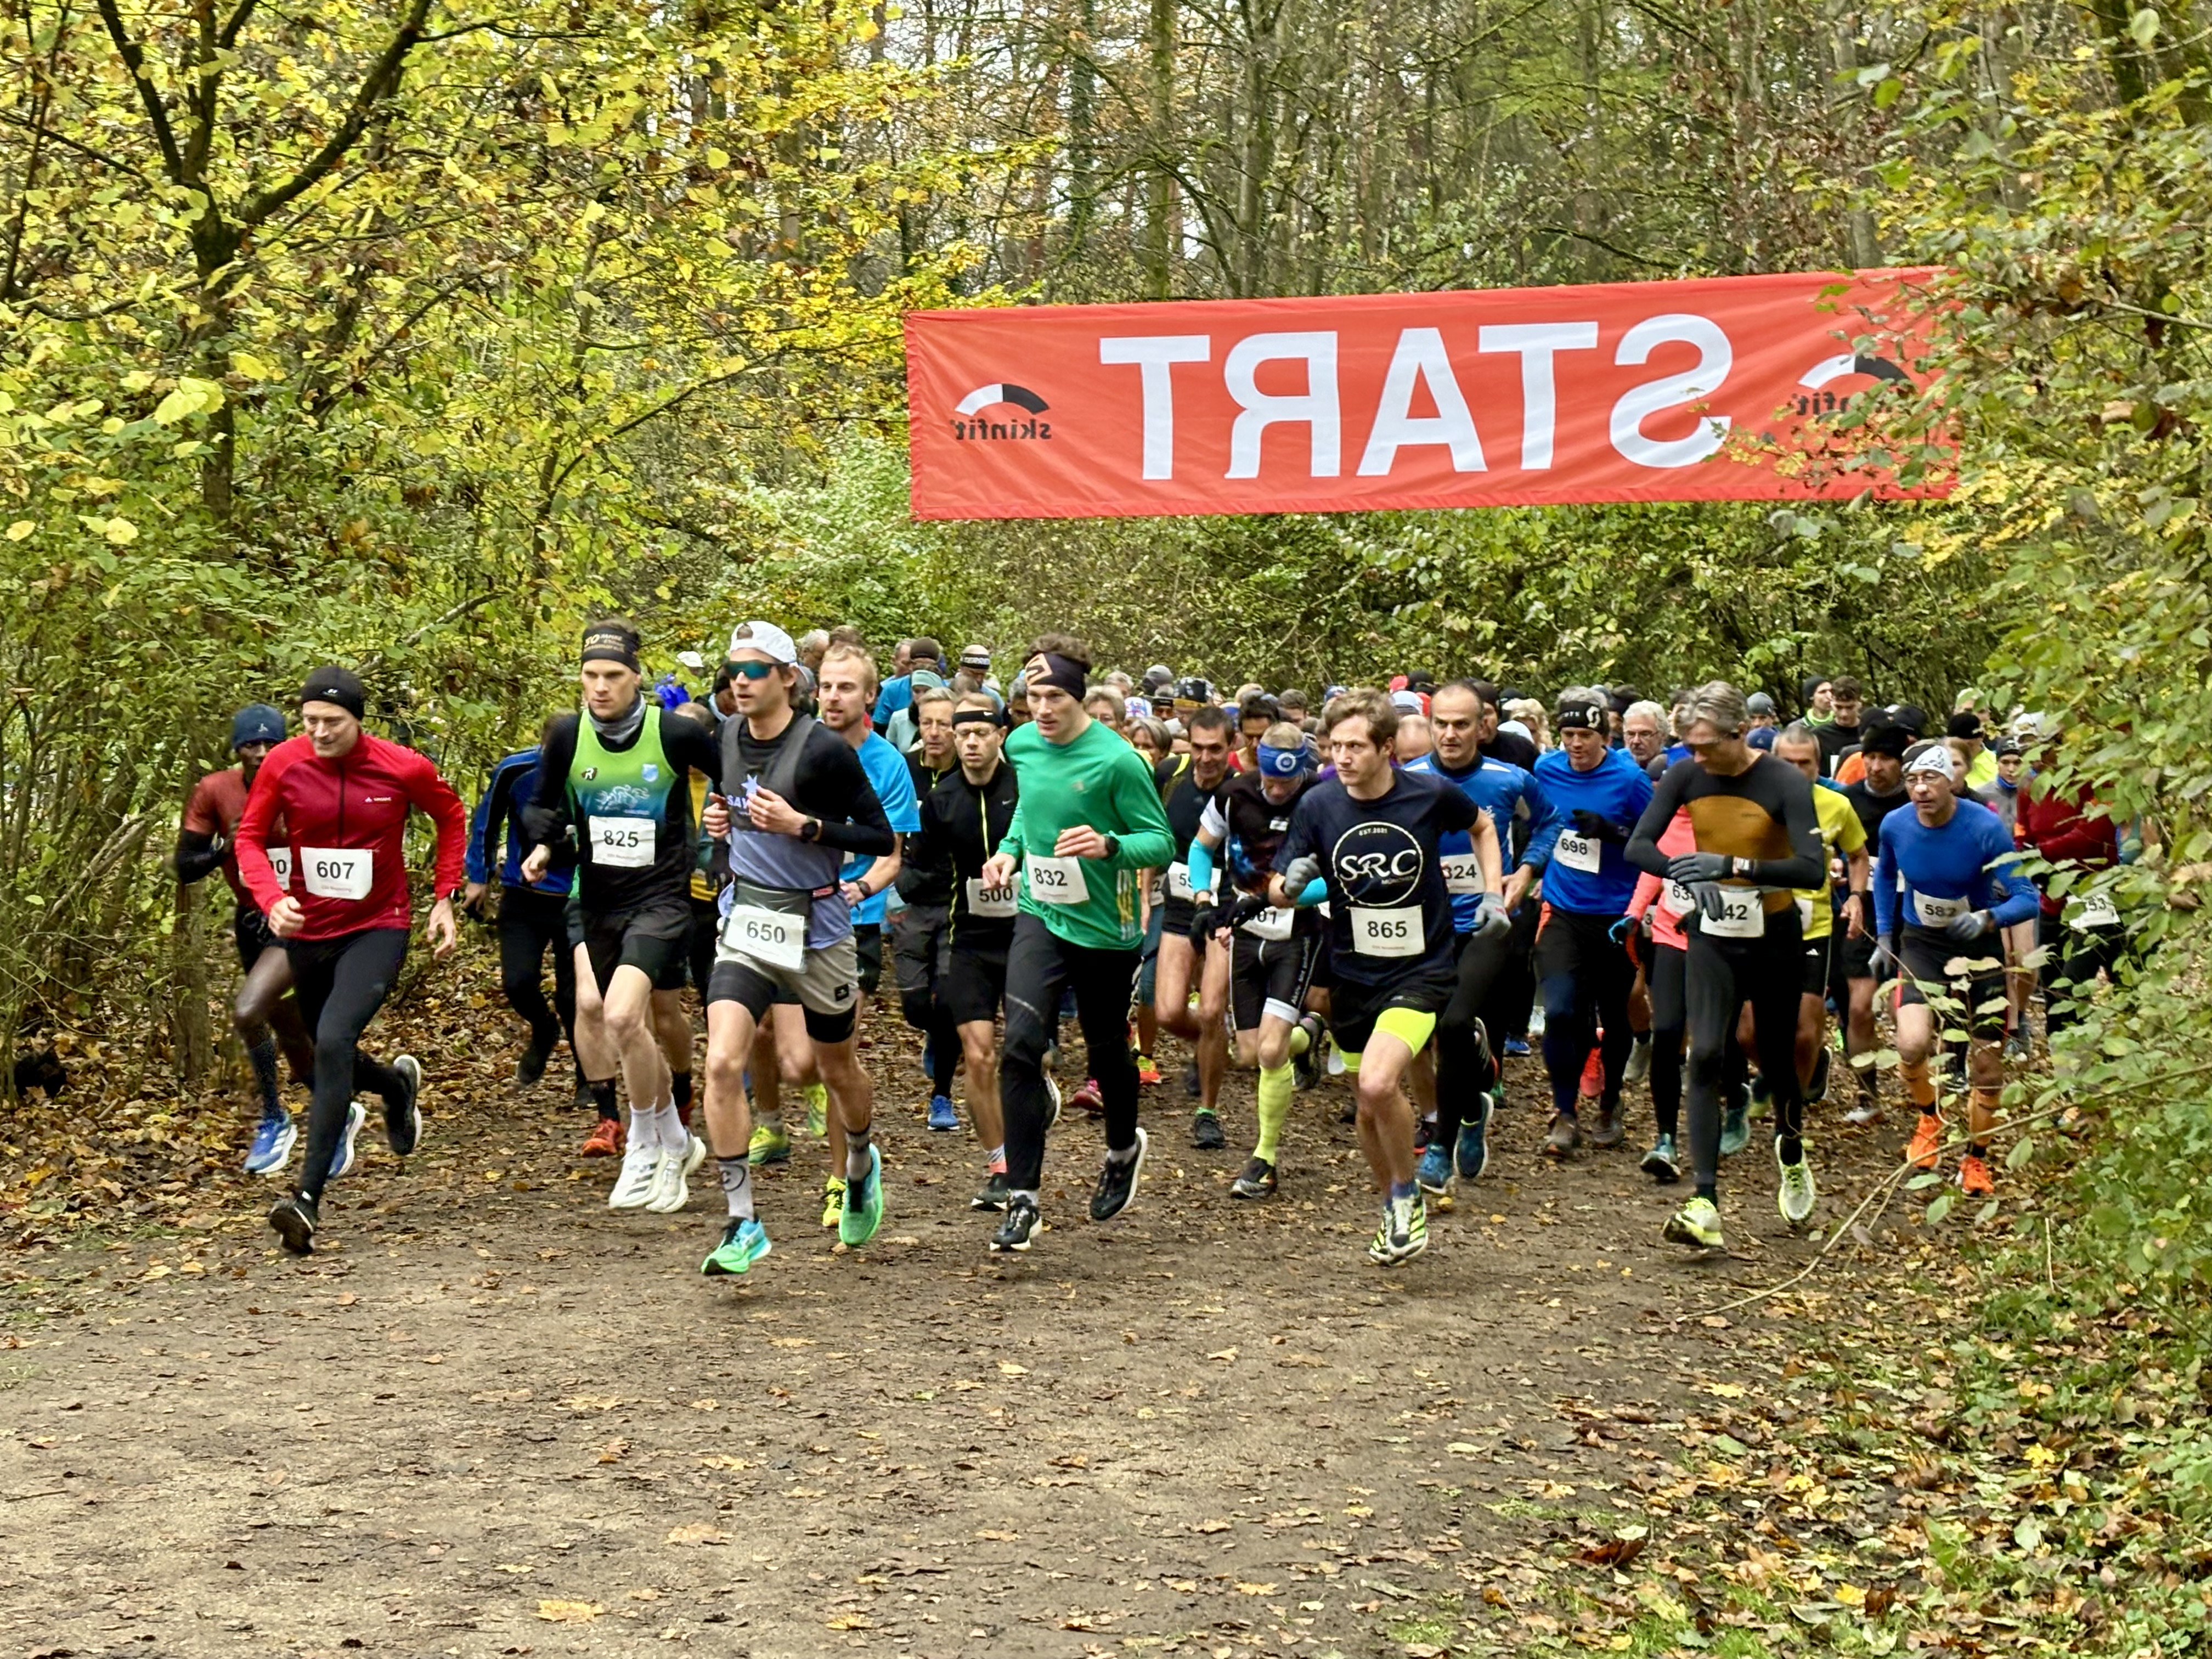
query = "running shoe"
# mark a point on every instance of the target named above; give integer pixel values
(403, 1124)
(1206, 1131)
(744, 1242)
(1190, 1082)
(672, 1179)
(1735, 1128)
(833, 1200)
(2015, 1045)
(1117, 1182)
(1864, 1116)
(293, 1218)
(1433, 1174)
(1797, 1196)
(1817, 1090)
(1306, 1068)
(1974, 1177)
(941, 1114)
(531, 1066)
(635, 1182)
(1606, 1128)
(769, 1144)
(863, 1204)
(606, 1139)
(1659, 1162)
(1089, 1098)
(1472, 1152)
(1052, 1102)
(817, 1109)
(1257, 1180)
(1021, 1224)
(1536, 1022)
(993, 1195)
(1404, 1233)
(1148, 1074)
(1336, 1065)
(273, 1139)
(341, 1160)
(1699, 1222)
(1926, 1151)
(1639, 1061)
(1517, 1047)
(1564, 1136)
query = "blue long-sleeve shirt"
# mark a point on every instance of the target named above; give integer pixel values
(1587, 875)
(1500, 788)
(1970, 858)
(514, 783)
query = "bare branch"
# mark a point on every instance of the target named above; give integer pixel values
(157, 113)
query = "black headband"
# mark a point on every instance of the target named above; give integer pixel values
(1063, 673)
(607, 643)
(972, 716)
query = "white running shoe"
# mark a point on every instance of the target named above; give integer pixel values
(671, 1189)
(1052, 1096)
(635, 1184)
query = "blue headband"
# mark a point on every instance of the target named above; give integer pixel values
(1281, 763)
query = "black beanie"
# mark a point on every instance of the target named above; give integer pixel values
(331, 684)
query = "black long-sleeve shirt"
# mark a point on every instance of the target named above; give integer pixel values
(961, 825)
(1764, 813)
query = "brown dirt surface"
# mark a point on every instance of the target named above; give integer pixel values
(489, 1417)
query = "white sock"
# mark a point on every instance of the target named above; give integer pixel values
(644, 1128)
(673, 1135)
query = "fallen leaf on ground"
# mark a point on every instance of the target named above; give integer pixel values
(569, 1612)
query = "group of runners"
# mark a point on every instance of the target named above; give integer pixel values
(1396, 885)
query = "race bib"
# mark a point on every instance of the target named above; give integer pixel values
(1742, 916)
(2093, 910)
(1056, 881)
(1462, 872)
(1577, 852)
(280, 860)
(339, 872)
(1930, 912)
(1396, 933)
(623, 843)
(1804, 913)
(1179, 882)
(767, 936)
(989, 903)
(1677, 899)
(1272, 924)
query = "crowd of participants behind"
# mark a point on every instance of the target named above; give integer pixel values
(1397, 886)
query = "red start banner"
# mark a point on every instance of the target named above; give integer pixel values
(1712, 389)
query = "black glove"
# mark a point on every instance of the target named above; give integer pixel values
(1965, 929)
(1598, 827)
(1712, 901)
(1247, 906)
(1690, 868)
(1203, 921)
(1884, 960)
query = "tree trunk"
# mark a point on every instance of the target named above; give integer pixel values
(191, 1041)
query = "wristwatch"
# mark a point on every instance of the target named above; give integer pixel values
(810, 830)
(1112, 846)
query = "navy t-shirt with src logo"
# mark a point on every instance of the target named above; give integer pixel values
(1390, 917)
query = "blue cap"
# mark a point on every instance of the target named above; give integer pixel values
(256, 723)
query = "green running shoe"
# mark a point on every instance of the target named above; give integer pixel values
(864, 1203)
(1699, 1222)
(743, 1243)
(817, 1109)
(1797, 1194)
(1404, 1233)
(1735, 1128)
(769, 1144)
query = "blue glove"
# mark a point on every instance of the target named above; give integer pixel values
(1965, 929)
(1691, 868)
(1618, 931)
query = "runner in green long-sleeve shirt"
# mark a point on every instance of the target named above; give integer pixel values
(1089, 819)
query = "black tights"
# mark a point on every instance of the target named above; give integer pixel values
(1466, 1067)
(341, 983)
(530, 925)
(1663, 975)
(1040, 968)
(1719, 976)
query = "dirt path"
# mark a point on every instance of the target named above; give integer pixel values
(491, 1406)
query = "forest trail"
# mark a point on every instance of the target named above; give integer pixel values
(492, 1418)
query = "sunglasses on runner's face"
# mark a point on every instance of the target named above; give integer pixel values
(752, 668)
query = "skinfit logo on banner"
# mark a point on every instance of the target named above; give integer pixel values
(985, 397)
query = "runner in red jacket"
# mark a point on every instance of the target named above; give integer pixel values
(2081, 935)
(343, 797)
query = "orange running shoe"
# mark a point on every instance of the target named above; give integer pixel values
(606, 1139)
(1148, 1075)
(1974, 1177)
(1926, 1150)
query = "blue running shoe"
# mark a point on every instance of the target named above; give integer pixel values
(941, 1114)
(272, 1146)
(342, 1160)
(1517, 1047)
(743, 1243)
(1473, 1150)
(1433, 1174)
